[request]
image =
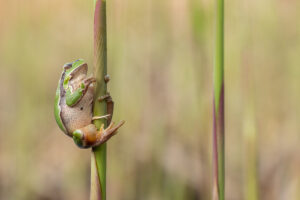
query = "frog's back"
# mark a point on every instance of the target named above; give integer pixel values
(57, 107)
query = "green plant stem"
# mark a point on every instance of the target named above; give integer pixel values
(98, 159)
(218, 128)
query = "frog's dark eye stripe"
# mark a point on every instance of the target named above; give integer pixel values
(67, 66)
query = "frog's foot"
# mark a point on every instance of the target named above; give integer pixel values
(109, 105)
(101, 117)
(104, 134)
(89, 80)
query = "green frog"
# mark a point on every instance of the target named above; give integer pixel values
(73, 107)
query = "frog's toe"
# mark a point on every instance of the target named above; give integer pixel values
(110, 131)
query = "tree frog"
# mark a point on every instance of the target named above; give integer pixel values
(74, 105)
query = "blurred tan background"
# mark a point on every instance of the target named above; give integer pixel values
(160, 61)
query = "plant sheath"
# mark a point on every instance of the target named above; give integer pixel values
(98, 159)
(218, 106)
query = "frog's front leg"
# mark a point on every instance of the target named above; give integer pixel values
(101, 117)
(89, 136)
(109, 105)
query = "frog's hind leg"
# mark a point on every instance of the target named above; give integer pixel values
(89, 136)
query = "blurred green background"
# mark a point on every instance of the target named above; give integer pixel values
(160, 61)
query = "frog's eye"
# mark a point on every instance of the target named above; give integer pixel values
(67, 66)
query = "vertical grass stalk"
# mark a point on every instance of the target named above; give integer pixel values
(251, 159)
(98, 159)
(218, 106)
(250, 140)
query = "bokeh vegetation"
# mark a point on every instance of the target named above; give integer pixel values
(160, 60)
